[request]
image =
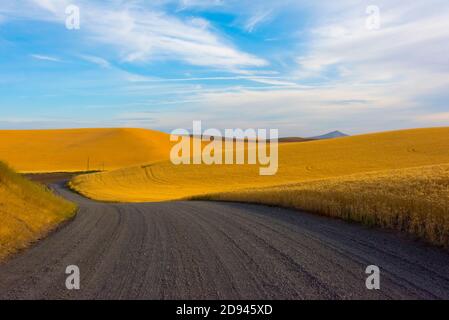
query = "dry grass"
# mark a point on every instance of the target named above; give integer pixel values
(27, 211)
(70, 150)
(414, 200)
(298, 162)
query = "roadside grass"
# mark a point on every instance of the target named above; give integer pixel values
(28, 211)
(413, 200)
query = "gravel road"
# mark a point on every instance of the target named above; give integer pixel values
(210, 250)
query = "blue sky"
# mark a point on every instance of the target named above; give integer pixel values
(302, 66)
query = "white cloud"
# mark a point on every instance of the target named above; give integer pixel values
(200, 3)
(143, 33)
(96, 60)
(45, 58)
(442, 117)
(405, 59)
(295, 111)
(375, 80)
(409, 39)
(257, 19)
(273, 81)
(49, 5)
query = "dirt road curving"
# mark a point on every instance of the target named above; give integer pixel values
(209, 250)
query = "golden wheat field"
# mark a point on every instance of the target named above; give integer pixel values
(27, 211)
(413, 200)
(397, 179)
(72, 150)
(298, 162)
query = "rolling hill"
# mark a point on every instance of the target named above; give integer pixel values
(298, 162)
(71, 150)
(397, 180)
(27, 211)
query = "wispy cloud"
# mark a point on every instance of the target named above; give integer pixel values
(184, 4)
(273, 81)
(257, 19)
(405, 59)
(141, 33)
(45, 58)
(96, 60)
(276, 80)
(49, 5)
(411, 40)
(307, 109)
(439, 118)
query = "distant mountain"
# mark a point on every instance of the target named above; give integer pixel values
(330, 135)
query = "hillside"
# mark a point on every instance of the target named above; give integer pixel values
(412, 200)
(298, 162)
(27, 211)
(72, 150)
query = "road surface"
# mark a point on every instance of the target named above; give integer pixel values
(209, 250)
